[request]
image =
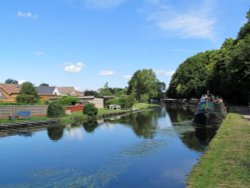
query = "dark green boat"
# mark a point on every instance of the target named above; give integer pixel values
(209, 113)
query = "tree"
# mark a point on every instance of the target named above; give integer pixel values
(90, 93)
(143, 85)
(245, 30)
(224, 72)
(91, 111)
(11, 81)
(125, 101)
(105, 91)
(68, 100)
(28, 94)
(44, 84)
(55, 109)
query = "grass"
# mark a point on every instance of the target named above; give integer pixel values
(24, 119)
(226, 163)
(107, 111)
(141, 106)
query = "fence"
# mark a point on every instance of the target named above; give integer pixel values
(75, 108)
(35, 110)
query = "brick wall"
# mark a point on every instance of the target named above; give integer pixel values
(35, 110)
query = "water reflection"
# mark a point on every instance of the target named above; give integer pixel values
(90, 126)
(194, 138)
(155, 140)
(178, 112)
(143, 124)
(73, 132)
(55, 133)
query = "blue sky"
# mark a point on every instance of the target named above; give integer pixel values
(85, 43)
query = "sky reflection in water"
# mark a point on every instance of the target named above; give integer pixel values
(149, 149)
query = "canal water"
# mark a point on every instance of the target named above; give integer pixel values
(151, 149)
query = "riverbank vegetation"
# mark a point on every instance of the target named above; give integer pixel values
(81, 117)
(224, 72)
(226, 163)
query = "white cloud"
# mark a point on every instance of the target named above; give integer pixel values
(74, 68)
(20, 82)
(74, 134)
(194, 22)
(189, 26)
(168, 74)
(26, 14)
(106, 73)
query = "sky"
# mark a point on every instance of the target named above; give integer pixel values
(86, 43)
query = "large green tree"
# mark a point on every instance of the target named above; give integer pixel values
(193, 75)
(28, 94)
(144, 85)
(224, 72)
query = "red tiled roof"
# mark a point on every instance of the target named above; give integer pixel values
(10, 88)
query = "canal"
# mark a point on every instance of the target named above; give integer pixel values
(155, 148)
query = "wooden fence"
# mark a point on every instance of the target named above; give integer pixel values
(35, 110)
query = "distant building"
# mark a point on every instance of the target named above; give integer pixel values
(9, 92)
(46, 92)
(65, 91)
(98, 102)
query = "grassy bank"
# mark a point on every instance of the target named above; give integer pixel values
(226, 163)
(24, 119)
(79, 116)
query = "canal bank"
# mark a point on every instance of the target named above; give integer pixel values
(226, 163)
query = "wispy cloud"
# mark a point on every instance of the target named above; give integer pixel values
(192, 22)
(106, 73)
(166, 73)
(73, 68)
(26, 14)
(39, 53)
(97, 4)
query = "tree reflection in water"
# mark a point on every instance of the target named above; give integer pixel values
(143, 124)
(55, 133)
(90, 126)
(195, 138)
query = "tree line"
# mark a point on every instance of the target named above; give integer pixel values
(224, 72)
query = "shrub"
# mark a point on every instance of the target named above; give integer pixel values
(90, 110)
(68, 100)
(55, 109)
(125, 101)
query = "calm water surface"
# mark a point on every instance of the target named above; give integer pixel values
(150, 149)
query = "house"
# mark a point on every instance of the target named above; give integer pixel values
(98, 102)
(46, 92)
(63, 91)
(9, 92)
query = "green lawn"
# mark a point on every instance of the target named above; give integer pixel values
(226, 163)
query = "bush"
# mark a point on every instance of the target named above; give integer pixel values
(55, 109)
(68, 100)
(125, 101)
(90, 110)
(26, 99)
